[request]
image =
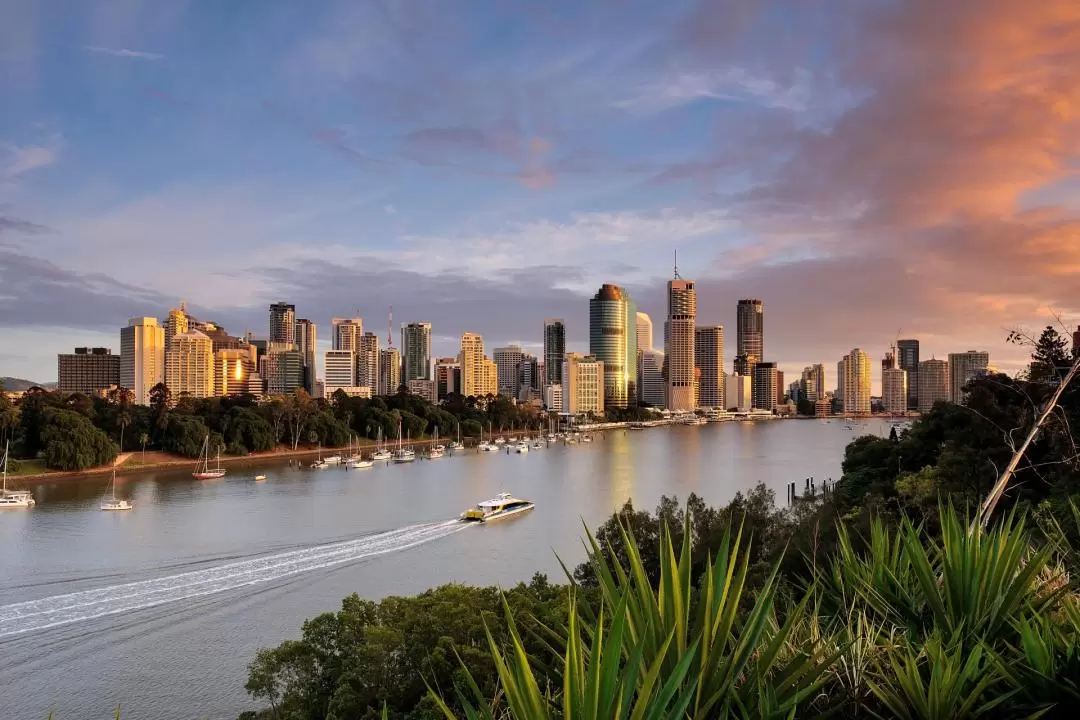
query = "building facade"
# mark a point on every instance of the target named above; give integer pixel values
(679, 344)
(345, 333)
(89, 371)
(933, 383)
(856, 379)
(812, 383)
(750, 332)
(507, 361)
(142, 357)
(554, 350)
(416, 351)
(190, 365)
(963, 368)
(422, 388)
(236, 372)
(585, 388)
(907, 352)
(489, 378)
(553, 399)
(282, 368)
(367, 362)
(471, 359)
(613, 342)
(738, 390)
(389, 371)
(644, 332)
(447, 378)
(530, 383)
(652, 389)
(709, 361)
(763, 388)
(894, 389)
(282, 323)
(339, 370)
(306, 343)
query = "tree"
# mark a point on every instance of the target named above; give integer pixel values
(160, 399)
(9, 416)
(299, 410)
(123, 398)
(143, 439)
(71, 442)
(1050, 357)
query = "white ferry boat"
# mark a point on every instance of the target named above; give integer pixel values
(501, 506)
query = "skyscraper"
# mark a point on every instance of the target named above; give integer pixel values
(709, 360)
(738, 390)
(176, 322)
(389, 371)
(963, 368)
(855, 381)
(235, 372)
(813, 382)
(142, 357)
(585, 386)
(416, 351)
(613, 341)
(554, 350)
(644, 332)
(471, 360)
(530, 385)
(339, 370)
(367, 362)
(651, 387)
(283, 368)
(507, 359)
(282, 323)
(679, 343)
(780, 389)
(447, 377)
(933, 383)
(305, 343)
(908, 357)
(190, 365)
(345, 333)
(87, 371)
(750, 331)
(763, 389)
(894, 393)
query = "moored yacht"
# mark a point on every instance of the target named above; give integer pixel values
(358, 463)
(203, 471)
(457, 444)
(113, 502)
(381, 454)
(436, 450)
(403, 454)
(501, 506)
(14, 498)
(521, 448)
(332, 459)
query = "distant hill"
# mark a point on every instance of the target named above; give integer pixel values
(16, 384)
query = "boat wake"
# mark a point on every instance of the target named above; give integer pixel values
(57, 610)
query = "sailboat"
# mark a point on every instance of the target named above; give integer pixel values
(356, 461)
(319, 463)
(484, 445)
(381, 453)
(436, 450)
(203, 471)
(403, 454)
(115, 503)
(457, 444)
(14, 498)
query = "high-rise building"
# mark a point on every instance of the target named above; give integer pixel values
(176, 322)
(489, 378)
(780, 394)
(585, 387)
(282, 368)
(840, 371)
(750, 331)
(339, 370)
(553, 399)
(305, 343)
(963, 368)
(530, 384)
(416, 351)
(389, 371)
(345, 333)
(644, 332)
(236, 372)
(507, 359)
(679, 344)
(447, 377)
(812, 383)
(282, 323)
(763, 388)
(471, 359)
(894, 392)
(908, 357)
(189, 365)
(142, 357)
(367, 362)
(554, 350)
(87, 370)
(709, 360)
(933, 383)
(613, 341)
(739, 391)
(652, 390)
(855, 380)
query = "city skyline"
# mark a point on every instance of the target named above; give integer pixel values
(522, 175)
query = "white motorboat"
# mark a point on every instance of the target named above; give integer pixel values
(14, 498)
(552, 437)
(521, 448)
(538, 444)
(487, 447)
(358, 463)
(319, 464)
(500, 441)
(381, 455)
(333, 459)
(203, 471)
(501, 506)
(113, 502)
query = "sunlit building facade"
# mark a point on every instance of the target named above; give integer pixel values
(584, 390)
(142, 357)
(613, 342)
(963, 368)
(190, 365)
(933, 383)
(679, 356)
(709, 360)
(236, 372)
(389, 371)
(87, 370)
(855, 378)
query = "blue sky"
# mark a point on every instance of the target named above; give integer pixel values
(483, 165)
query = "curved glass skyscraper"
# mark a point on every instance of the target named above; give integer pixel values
(613, 339)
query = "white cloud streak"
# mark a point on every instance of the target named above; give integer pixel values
(123, 52)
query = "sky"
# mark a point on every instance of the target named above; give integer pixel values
(867, 168)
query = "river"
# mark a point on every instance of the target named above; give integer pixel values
(160, 609)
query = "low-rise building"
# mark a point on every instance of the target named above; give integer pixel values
(87, 370)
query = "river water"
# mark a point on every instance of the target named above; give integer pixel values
(160, 609)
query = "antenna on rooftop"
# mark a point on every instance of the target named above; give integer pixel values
(677, 277)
